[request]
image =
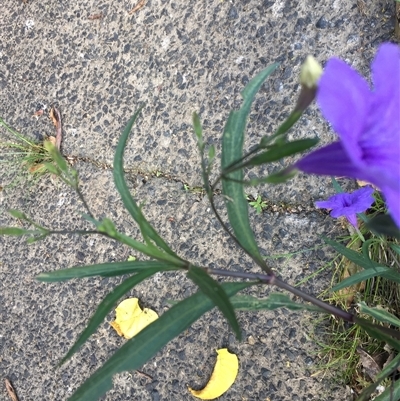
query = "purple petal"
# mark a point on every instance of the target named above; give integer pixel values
(380, 141)
(352, 218)
(344, 99)
(330, 160)
(328, 204)
(362, 199)
(386, 78)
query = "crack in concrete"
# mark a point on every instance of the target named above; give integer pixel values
(270, 206)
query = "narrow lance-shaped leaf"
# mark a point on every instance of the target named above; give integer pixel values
(108, 227)
(377, 271)
(18, 214)
(217, 294)
(391, 393)
(396, 248)
(103, 269)
(274, 178)
(135, 352)
(122, 187)
(232, 150)
(16, 231)
(56, 156)
(381, 333)
(379, 314)
(273, 301)
(353, 256)
(278, 152)
(107, 304)
(385, 372)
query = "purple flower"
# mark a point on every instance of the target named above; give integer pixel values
(348, 205)
(367, 123)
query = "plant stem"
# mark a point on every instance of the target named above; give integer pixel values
(231, 167)
(80, 232)
(334, 310)
(264, 267)
(273, 280)
(81, 197)
(264, 278)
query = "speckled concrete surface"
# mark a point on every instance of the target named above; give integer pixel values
(176, 57)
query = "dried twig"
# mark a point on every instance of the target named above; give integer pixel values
(144, 374)
(138, 6)
(96, 16)
(10, 390)
(56, 118)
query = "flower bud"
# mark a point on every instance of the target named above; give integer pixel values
(310, 72)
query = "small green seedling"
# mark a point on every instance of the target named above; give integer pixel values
(258, 204)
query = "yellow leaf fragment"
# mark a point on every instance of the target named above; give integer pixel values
(131, 319)
(224, 374)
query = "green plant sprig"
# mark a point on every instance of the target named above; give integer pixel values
(143, 346)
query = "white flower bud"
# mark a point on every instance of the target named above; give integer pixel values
(310, 72)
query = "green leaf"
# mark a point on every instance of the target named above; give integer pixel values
(381, 333)
(396, 248)
(217, 294)
(377, 271)
(384, 224)
(138, 350)
(56, 156)
(108, 227)
(392, 393)
(31, 240)
(379, 314)
(107, 304)
(16, 231)
(232, 149)
(50, 167)
(383, 374)
(336, 186)
(274, 301)
(356, 257)
(278, 152)
(17, 214)
(274, 178)
(103, 269)
(122, 187)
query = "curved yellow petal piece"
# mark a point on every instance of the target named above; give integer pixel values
(131, 319)
(224, 374)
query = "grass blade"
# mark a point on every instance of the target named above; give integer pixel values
(217, 294)
(103, 269)
(129, 202)
(138, 350)
(232, 149)
(274, 301)
(107, 304)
